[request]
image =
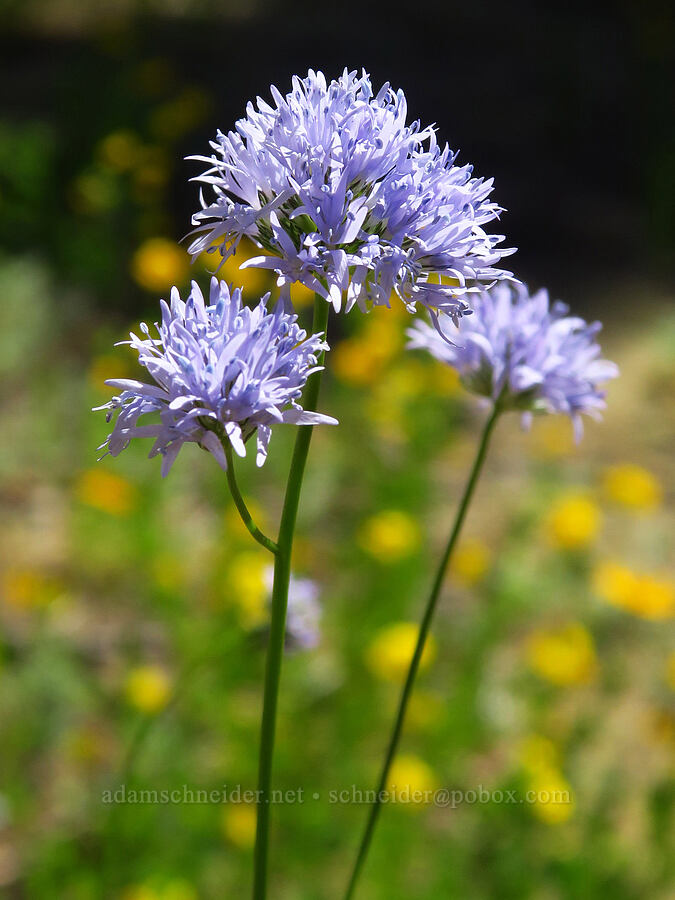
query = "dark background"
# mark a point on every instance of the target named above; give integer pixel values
(567, 108)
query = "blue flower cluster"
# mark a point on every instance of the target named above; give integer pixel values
(344, 196)
(524, 353)
(341, 193)
(221, 372)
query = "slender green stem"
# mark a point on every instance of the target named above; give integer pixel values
(282, 575)
(239, 502)
(425, 625)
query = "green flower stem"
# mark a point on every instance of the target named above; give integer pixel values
(242, 509)
(282, 575)
(425, 625)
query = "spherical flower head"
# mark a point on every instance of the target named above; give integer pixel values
(347, 198)
(523, 353)
(221, 372)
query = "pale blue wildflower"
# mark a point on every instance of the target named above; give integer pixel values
(524, 353)
(220, 372)
(345, 197)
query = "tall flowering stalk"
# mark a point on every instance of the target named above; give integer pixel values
(521, 354)
(342, 194)
(221, 374)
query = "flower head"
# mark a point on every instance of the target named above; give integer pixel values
(525, 353)
(221, 372)
(346, 197)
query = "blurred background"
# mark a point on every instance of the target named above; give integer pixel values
(133, 611)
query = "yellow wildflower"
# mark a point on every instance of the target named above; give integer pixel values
(537, 753)
(391, 650)
(411, 782)
(574, 521)
(471, 561)
(632, 486)
(148, 688)
(108, 366)
(551, 798)
(354, 363)
(390, 535)
(248, 589)
(239, 823)
(301, 296)
(158, 264)
(27, 589)
(643, 595)
(563, 656)
(106, 491)
(254, 281)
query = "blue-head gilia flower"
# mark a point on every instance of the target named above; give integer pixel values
(344, 196)
(524, 353)
(221, 372)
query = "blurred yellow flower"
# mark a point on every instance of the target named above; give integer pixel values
(354, 363)
(301, 296)
(643, 595)
(573, 521)
(613, 581)
(411, 781)
(670, 670)
(552, 437)
(537, 753)
(239, 823)
(470, 561)
(552, 800)
(390, 535)
(254, 281)
(25, 589)
(407, 379)
(119, 150)
(632, 486)
(391, 650)
(563, 656)
(106, 491)
(358, 360)
(158, 264)
(107, 366)
(247, 586)
(148, 688)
